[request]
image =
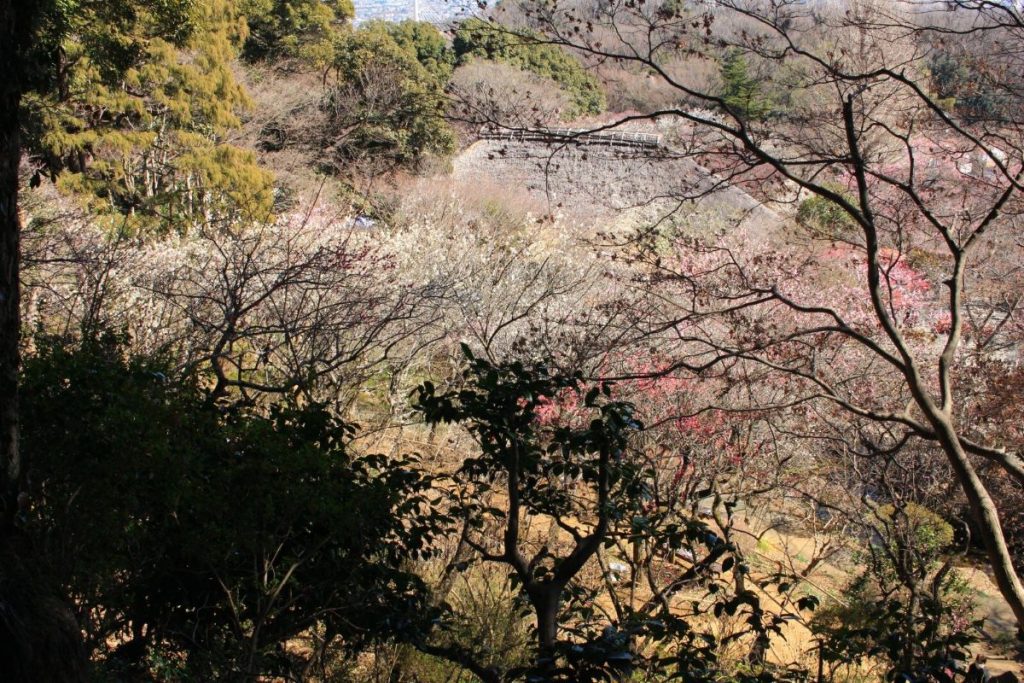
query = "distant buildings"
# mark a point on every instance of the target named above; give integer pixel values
(434, 11)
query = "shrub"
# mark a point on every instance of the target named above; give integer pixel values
(824, 217)
(203, 539)
(908, 608)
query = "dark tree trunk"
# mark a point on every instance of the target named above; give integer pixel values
(13, 25)
(39, 639)
(547, 624)
(546, 600)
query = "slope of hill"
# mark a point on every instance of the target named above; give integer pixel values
(592, 182)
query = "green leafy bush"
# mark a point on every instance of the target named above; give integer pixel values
(206, 539)
(825, 217)
(908, 608)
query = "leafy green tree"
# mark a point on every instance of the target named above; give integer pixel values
(963, 82)
(120, 116)
(476, 38)
(304, 29)
(743, 94)
(909, 607)
(208, 538)
(499, 405)
(579, 473)
(425, 42)
(383, 106)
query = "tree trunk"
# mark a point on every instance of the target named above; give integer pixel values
(39, 639)
(12, 26)
(546, 601)
(986, 516)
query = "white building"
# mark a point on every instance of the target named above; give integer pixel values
(434, 11)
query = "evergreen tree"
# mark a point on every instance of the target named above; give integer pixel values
(743, 94)
(303, 29)
(132, 111)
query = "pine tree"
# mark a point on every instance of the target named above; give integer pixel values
(743, 94)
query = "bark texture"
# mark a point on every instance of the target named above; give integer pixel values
(39, 638)
(12, 25)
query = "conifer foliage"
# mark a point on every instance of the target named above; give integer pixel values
(304, 29)
(131, 106)
(742, 93)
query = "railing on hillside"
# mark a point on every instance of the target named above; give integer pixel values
(576, 137)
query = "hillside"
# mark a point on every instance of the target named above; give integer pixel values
(598, 183)
(591, 341)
